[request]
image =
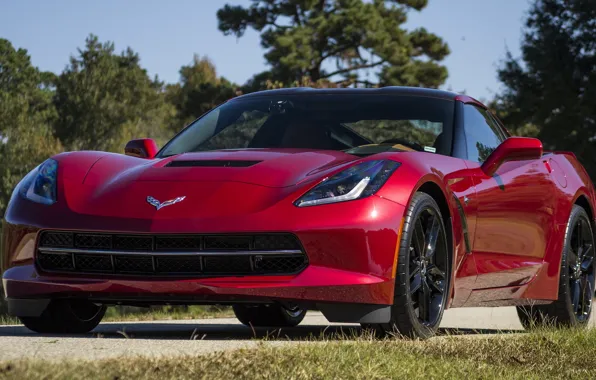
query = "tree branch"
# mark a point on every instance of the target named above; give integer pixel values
(297, 19)
(333, 52)
(272, 23)
(366, 83)
(358, 67)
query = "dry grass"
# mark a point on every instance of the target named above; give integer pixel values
(543, 354)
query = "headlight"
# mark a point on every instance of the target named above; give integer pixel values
(358, 181)
(40, 184)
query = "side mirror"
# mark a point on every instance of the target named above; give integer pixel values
(142, 148)
(512, 149)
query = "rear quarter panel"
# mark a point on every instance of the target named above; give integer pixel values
(571, 183)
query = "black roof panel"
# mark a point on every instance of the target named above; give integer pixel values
(391, 90)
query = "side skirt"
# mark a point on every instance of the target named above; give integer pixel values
(503, 296)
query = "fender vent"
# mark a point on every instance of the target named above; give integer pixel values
(212, 164)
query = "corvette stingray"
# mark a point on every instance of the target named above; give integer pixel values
(382, 207)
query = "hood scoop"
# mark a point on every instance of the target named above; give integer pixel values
(212, 163)
(265, 167)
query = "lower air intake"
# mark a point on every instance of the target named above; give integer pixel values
(170, 255)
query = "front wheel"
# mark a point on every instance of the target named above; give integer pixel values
(66, 317)
(423, 272)
(576, 279)
(269, 315)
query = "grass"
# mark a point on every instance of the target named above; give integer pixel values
(8, 320)
(114, 314)
(126, 313)
(543, 354)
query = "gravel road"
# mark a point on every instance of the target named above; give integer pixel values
(196, 337)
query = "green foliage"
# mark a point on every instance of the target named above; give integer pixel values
(199, 90)
(551, 91)
(26, 113)
(418, 131)
(502, 111)
(302, 82)
(345, 41)
(3, 305)
(173, 312)
(103, 99)
(26, 116)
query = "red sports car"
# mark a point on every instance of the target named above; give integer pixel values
(377, 206)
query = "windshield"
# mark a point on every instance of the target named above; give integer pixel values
(356, 123)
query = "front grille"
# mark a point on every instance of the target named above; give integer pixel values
(93, 263)
(179, 264)
(62, 261)
(56, 239)
(170, 255)
(90, 241)
(132, 243)
(133, 264)
(228, 243)
(177, 243)
(278, 263)
(273, 242)
(228, 264)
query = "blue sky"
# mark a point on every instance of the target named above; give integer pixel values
(166, 34)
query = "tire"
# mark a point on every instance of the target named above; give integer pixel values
(573, 308)
(66, 317)
(270, 315)
(421, 286)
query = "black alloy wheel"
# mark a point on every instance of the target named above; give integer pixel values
(576, 279)
(428, 266)
(423, 272)
(581, 270)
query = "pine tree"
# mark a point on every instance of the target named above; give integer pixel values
(104, 99)
(551, 90)
(344, 41)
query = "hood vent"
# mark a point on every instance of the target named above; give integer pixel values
(212, 164)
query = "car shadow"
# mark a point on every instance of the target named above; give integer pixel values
(231, 331)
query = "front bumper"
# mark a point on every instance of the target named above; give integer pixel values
(351, 249)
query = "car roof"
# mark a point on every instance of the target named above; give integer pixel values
(390, 90)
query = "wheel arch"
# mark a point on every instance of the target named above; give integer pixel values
(582, 200)
(433, 189)
(547, 280)
(416, 178)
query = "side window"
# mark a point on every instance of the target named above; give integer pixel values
(482, 133)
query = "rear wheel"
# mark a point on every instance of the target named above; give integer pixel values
(576, 280)
(269, 315)
(66, 317)
(423, 272)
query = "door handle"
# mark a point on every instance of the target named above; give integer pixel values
(466, 200)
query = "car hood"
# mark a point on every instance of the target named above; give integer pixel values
(238, 181)
(271, 168)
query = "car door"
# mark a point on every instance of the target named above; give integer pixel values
(515, 207)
